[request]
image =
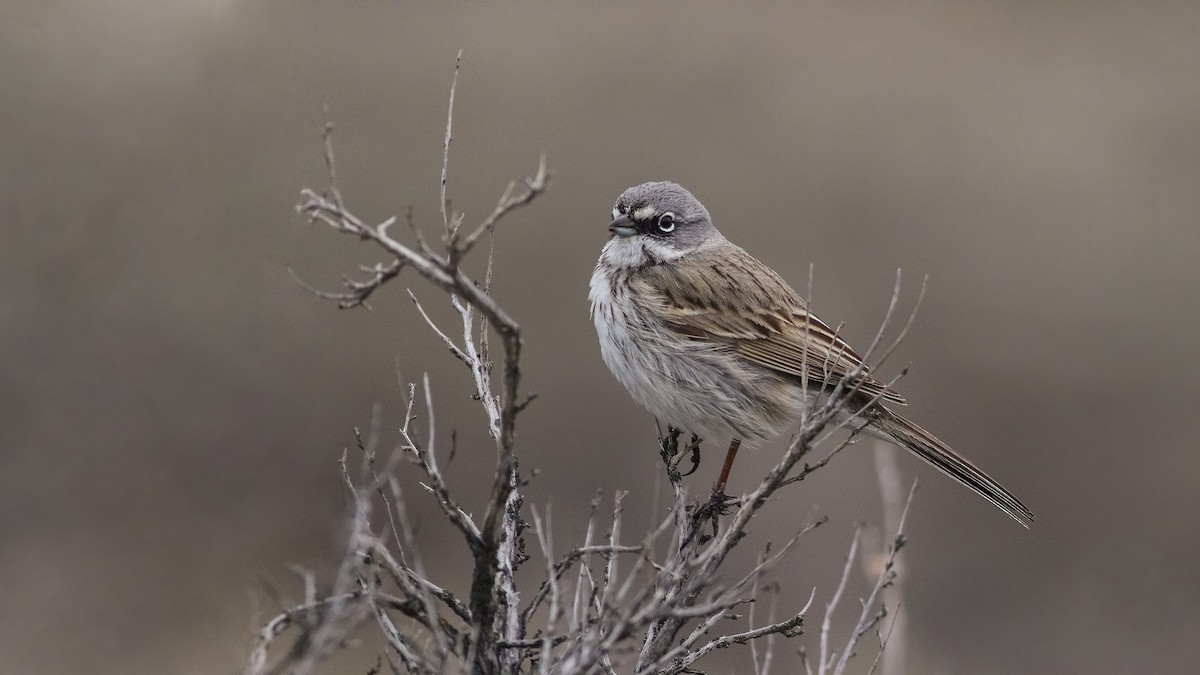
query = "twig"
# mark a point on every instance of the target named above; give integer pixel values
(892, 499)
(826, 659)
(884, 641)
(446, 147)
(868, 617)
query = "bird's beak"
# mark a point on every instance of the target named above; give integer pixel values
(623, 226)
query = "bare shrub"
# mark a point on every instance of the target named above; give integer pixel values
(609, 603)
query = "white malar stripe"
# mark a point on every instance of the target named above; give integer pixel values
(636, 251)
(623, 252)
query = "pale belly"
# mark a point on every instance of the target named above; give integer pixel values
(697, 386)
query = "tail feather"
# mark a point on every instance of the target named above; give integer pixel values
(929, 448)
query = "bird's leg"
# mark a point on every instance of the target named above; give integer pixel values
(719, 503)
(729, 456)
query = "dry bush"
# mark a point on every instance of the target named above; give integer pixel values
(610, 603)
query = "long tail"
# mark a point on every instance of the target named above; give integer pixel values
(929, 448)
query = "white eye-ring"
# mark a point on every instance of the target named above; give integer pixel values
(666, 222)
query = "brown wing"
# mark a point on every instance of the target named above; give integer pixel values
(729, 296)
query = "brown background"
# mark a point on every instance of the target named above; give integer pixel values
(172, 405)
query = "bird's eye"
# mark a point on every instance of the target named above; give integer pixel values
(666, 222)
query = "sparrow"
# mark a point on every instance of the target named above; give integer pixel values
(714, 342)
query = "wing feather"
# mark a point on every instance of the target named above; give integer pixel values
(736, 299)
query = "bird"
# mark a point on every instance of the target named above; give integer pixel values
(714, 342)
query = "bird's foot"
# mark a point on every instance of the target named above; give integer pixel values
(721, 504)
(672, 454)
(706, 517)
(694, 446)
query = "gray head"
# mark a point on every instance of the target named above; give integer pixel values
(662, 221)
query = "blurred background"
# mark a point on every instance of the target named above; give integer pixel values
(172, 405)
